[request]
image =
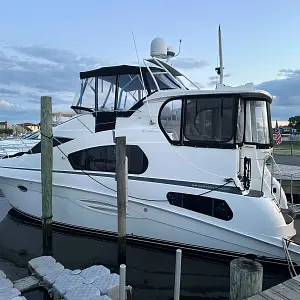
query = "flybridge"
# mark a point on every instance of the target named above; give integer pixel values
(118, 88)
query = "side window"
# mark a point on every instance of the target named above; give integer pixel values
(216, 208)
(209, 119)
(170, 119)
(103, 159)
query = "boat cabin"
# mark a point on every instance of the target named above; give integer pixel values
(222, 118)
(218, 120)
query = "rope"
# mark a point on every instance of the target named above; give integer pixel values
(291, 267)
(228, 180)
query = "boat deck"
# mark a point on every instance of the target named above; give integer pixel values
(288, 290)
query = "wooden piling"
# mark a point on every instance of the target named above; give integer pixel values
(46, 172)
(121, 175)
(246, 278)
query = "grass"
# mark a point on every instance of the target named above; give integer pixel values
(287, 146)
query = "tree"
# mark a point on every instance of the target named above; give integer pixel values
(294, 122)
(6, 131)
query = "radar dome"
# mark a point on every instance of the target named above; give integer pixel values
(158, 48)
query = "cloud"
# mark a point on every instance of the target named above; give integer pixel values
(287, 93)
(5, 105)
(213, 80)
(189, 63)
(288, 73)
(45, 68)
(30, 71)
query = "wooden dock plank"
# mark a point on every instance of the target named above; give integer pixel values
(258, 297)
(274, 295)
(288, 290)
(293, 285)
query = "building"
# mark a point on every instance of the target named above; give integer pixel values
(4, 125)
(31, 127)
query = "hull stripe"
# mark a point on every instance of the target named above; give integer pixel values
(197, 185)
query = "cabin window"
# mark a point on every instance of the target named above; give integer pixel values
(213, 207)
(257, 129)
(240, 122)
(170, 118)
(209, 119)
(103, 159)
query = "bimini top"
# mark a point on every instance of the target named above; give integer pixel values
(117, 70)
(121, 70)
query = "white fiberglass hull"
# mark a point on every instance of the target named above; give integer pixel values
(96, 211)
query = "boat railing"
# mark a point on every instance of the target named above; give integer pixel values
(292, 177)
(273, 164)
(4, 148)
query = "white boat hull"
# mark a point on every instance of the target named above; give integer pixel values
(96, 211)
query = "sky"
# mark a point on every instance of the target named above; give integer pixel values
(45, 44)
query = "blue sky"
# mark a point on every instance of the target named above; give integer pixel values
(44, 45)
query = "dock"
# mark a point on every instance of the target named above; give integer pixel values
(288, 290)
(93, 283)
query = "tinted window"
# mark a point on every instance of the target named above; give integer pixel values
(257, 129)
(216, 208)
(103, 159)
(209, 119)
(170, 119)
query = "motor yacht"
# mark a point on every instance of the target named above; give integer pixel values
(197, 159)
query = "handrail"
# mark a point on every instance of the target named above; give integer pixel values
(17, 147)
(291, 185)
(272, 172)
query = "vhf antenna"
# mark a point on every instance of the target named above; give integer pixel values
(220, 69)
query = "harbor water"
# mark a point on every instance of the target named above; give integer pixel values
(150, 271)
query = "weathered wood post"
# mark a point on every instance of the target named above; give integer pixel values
(121, 174)
(46, 172)
(246, 278)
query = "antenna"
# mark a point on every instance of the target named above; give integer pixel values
(142, 78)
(220, 70)
(171, 51)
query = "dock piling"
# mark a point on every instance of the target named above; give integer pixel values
(46, 172)
(121, 175)
(246, 278)
(177, 274)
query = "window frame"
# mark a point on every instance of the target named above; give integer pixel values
(202, 144)
(258, 145)
(87, 156)
(200, 199)
(216, 144)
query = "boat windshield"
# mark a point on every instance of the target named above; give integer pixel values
(33, 136)
(121, 90)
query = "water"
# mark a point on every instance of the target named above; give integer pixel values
(149, 271)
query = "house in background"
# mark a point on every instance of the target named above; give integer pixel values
(30, 127)
(3, 125)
